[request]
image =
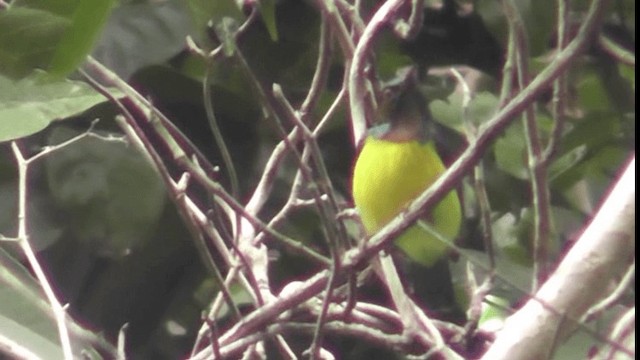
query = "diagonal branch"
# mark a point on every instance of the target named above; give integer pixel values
(595, 259)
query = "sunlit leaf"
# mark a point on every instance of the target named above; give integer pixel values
(30, 105)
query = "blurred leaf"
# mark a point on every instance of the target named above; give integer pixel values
(226, 30)
(51, 35)
(240, 297)
(482, 107)
(114, 195)
(566, 162)
(566, 223)
(513, 235)
(389, 55)
(629, 73)
(87, 22)
(595, 174)
(448, 113)
(28, 39)
(511, 148)
(579, 345)
(291, 60)
(538, 18)
(511, 151)
(25, 331)
(508, 233)
(31, 104)
(594, 133)
(494, 313)
(594, 130)
(515, 279)
(140, 34)
(59, 7)
(25, 315)
(207, 14)
(591, 93)
(268, 13)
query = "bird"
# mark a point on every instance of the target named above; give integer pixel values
(397, 162)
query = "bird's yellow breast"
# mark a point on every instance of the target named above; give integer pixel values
(387, 176)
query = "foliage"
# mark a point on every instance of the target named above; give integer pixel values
(186, 179)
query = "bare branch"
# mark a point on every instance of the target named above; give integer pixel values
(595, 259)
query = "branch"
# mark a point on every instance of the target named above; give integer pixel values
(357, 78)
(260, 318)
(493, 128)
(536, 165)
(600, 255)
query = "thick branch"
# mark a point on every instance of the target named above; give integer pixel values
(601, 255)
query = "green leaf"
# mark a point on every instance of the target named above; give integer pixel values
(538, 18)
(28, 39)
(511, 149)
(482, 107)
(566, 162)
(389, 55)
(268, 13)
(584, 184)
(592, 95)
(601, 135)
(55, 35)
(226, 30)
(494, 313)
(448, 113)
(87, 21)
(628, 73)
(206, 13)
(596, 129)
(514, 234)
(511, 234)
(25, 315)
(58, 7)
(512, 275)
(30, 105)
(511, 152)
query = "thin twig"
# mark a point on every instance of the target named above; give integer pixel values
(196, 171)
(360, 112)
(338, 26)
(613, 297)
(23, 237)
(318, 332)
(57, 308)
(536, 165)
(558, 104)
(469, 158)
(217, 134)
(478, 178)
(321, 73)
(616, 51)
(407, 30)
